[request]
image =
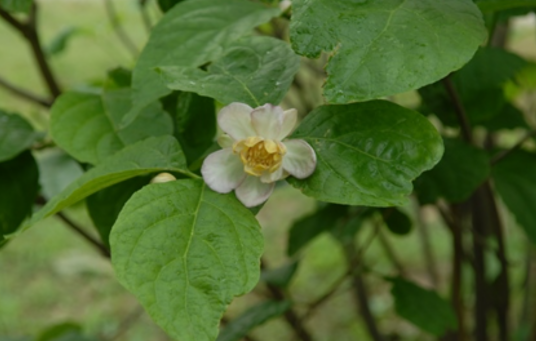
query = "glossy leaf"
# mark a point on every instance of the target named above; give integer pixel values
(204, 34)
(87, 125)
(16, 135)
(515, 180)
(397, 221)
(385, 47)
(308, 228)
(156, 154)
(367, 153)
(424, 308)
(185, 252)
(460, 172)
(501, 5)
(16, 5)
(18, 190)
(104, 206)
(280, 277)
(57, 171)
(253, 317)
(253, 70)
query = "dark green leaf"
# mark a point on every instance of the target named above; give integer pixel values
(87, 125)
(185, 252)
(66, 331)
(105, 205)
(16, 135)
(119, 78)
(510, 117)
(386, 47)
(368, 153)
(157, 154)
(253, 317)
(16, 5)
(500, 5)
(57, 171)
(194, 118)
(253, 70)
(59, 43)
(308, 228)
(204, 34)
(166, 5)
(461, 171)
(397, 221)
(280, 277)
(515, 180)
(424, 308)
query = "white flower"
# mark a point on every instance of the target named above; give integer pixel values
(254, 155)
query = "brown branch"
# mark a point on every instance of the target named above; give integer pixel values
(93, 241)
(29, 31)
(118, 29)
(500, 156)
(23, 93)
(467, 132)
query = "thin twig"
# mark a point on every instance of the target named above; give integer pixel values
(118, 29)
(23, 93)
(103, 249)
(500, 156)
(145, 16)
(463, 119)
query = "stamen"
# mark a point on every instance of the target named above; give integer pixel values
(259, 155)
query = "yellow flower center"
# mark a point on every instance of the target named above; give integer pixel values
(259, 155)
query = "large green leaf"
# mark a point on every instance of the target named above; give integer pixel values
(460, 172)
(16, 5)
(367, 153)
(422, 307)
(253, 317)
(191, 34)
(185, 252)
(385, 47)
(16, 135)
(501, 5)
(157, 154)
(57, 171)
(253, 70)
(18, 190)
(104, 206)
(515, 180)
(87, 126)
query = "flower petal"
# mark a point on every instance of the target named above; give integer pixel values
(223, 171)
(300, 160)
(290, 118)
(235, 120)
(268, 177)
(253, 192)
(267, 121)
(225, 141)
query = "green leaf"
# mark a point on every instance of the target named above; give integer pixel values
(66, 331)
(18, 190)
(16, 135)
(87, 125)
(510, 117)
(500, 5)
(204, 34)
(166, 5)
(424, 308)
(367, 153)
(515, 180)
(119, 77)
(308, 228)
(385, 47)
(280, 277)
(479, 85)
(253, 317)
(185, 252)
(461, 171)
(57, 171)
(253, 70)
(194, 118)
(104, 206)
(16, 5)
(59, 43)
(157, 154)
(397, 221)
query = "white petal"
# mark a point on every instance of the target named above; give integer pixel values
(268, 177)
(235, 120)
(223, 171)
(253, 192)
(300, 160)
(225, 141)
(290, 118)
(267, 121)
